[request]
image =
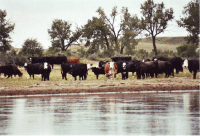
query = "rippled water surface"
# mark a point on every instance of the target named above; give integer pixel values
(107, 114)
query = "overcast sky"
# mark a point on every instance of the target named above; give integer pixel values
(33, 18)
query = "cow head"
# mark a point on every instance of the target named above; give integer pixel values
(25, 65)
(45, 65)
(30, 59)
(185, 63)
(89, 66)
(124, 65)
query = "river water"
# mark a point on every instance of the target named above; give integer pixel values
(101, 114)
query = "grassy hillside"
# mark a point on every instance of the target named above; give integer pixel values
(162, 43)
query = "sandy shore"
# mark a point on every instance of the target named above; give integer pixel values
(90, 86)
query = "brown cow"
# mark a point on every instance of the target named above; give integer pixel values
(110, 69)
(72, 60)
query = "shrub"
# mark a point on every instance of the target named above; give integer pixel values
(187, 50)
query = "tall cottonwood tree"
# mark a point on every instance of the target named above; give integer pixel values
(5, 29)
(102, 30)
(155, 19)
(62, 35)
(190, 21)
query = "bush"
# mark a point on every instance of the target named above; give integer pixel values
(187, 51)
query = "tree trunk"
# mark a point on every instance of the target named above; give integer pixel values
(154, 45)
(107, 43)
(122, 49)
(63, 44)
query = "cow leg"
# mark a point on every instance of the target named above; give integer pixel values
(97, 76)
(194, 74)
(33, 76)
(126, 75)
(52, 66)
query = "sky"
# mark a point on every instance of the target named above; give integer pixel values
(33, 18)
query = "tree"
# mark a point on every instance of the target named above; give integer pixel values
(5, 29)
(96, 31)
(32, 47)
(104, 33)
(155, 19)
(190, 21)
(61, 34)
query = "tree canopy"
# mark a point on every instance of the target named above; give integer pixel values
(102, 31)
(5, 29)
(32, 47)
(62, 35)
(155, 19)
(190, 21)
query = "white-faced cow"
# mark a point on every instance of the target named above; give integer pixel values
(38, 68)
(110, 69)
(192, 65)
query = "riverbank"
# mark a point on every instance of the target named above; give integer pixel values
(93, 86)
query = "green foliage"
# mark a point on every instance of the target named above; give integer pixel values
(31, 47)
(104, 34)
(187, 50)
(81, 52)
(141, 54)
(5, 29)
(190, 21)
(155, 19)
(12, 58)
(61, 34)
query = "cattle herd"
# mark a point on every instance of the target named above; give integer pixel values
(123, 65)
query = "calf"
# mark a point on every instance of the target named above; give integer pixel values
(10, 70)
(38, 68)
(97, 71)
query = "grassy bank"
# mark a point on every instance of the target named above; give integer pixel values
(55, 77)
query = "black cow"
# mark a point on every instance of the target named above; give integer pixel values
(10, 70)
(193, 66)
(115, 59)
(165, 67)
(97, 71)
(38, 68)
(147, 68)
(56, 60)
(49, 60)
(176, 63)
(79, 69)
(36, 59)
(75, 69)
(122, 68)
(65, 68)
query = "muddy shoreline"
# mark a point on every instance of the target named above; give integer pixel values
(94, 86)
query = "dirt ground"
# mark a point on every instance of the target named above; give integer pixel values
(90, 86)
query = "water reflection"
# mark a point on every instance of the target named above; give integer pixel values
(110, 114)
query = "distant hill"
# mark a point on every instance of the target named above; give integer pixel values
(163, 43)
(165, 40)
